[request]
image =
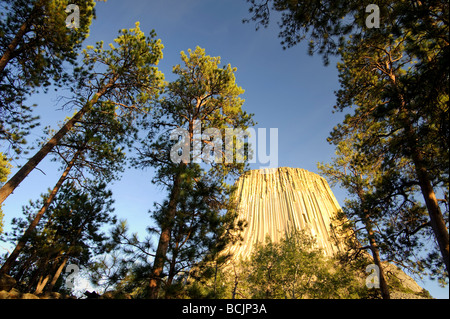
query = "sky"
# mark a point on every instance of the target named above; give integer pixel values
(285, 89)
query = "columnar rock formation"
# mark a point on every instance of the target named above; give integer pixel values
(277, 201)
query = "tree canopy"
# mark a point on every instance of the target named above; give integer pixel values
(192, 134)
(396, 80)
(35, 45)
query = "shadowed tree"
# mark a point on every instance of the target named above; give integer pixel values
(204, 95)
(71, 231)
(396, 76)
(128, 80)
(35, 45)
(91, 150)
(293, 268)
(5, 169)
(358, 176)
(380, 80)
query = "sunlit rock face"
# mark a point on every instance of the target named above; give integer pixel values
(274, 201)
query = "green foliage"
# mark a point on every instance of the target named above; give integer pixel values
(290, 269)
(129, 81)
(114, 98)
(294, 269)
(125, 89)
(395, 78)
(378, 74)
(193, 216)
(96, 144)
(71, 232)
(5, 169)
(128, 66)
(324, 24)
(35, 45)
(47, 43)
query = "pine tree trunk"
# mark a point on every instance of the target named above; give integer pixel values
(24, 268)
(14, 181)
(164, 239)
(37, 274)
(171, 273)
(236, 282)
(41, 284)
(8, 54)
(436, 219)
(23, 240)
(376, 258)
(374, 247)
(57, 274)
(67, 255)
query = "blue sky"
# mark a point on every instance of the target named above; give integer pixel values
(285, 89)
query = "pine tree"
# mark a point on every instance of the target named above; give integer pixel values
(207, 95)
(5, 169)
(360, 215)
(130, 78)
(397, 77)
(92, 151)
(35, 45)
(70, 232)
(377, 79)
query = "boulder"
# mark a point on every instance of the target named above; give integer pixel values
(50, 295)
(55, 295)
(29, 296)
(4, 294)
(91, 295)
(14, 294)
(108, 295)
(7, 282)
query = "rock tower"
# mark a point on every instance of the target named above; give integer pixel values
(274, 201)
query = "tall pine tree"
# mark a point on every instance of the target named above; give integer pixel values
(35, 45)
(205, 95)
(396, 75)
(128, 81)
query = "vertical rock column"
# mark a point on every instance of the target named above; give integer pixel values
(275, 202)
